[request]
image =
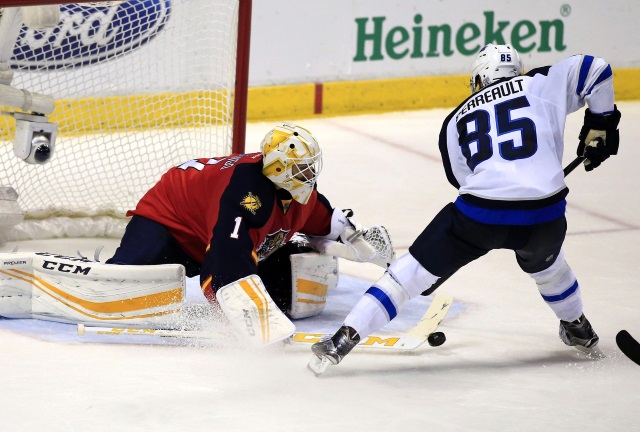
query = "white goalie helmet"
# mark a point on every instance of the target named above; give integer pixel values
(292, 160)
(492, 63)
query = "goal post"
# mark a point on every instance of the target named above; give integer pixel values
(137, 86)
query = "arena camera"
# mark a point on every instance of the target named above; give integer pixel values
(35, 138)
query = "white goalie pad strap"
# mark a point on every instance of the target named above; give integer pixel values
(76, 290)
(41, 17)
(371, 245)
(252, 312)
(312, 276)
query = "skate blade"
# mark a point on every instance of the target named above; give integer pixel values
(318, 365)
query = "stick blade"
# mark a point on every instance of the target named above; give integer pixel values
(629, 346)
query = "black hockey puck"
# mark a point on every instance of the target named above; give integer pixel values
(436, 339)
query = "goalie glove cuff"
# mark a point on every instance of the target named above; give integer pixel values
(353, 229)
(340, 221)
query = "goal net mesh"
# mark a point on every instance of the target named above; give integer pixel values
(139, 86)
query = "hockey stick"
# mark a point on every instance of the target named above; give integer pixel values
(573, 165)
(410, 340)
(629, 346)
(84, 330)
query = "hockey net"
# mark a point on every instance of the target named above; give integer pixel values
(139, 86)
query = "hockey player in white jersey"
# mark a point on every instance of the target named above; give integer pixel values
(502, 149)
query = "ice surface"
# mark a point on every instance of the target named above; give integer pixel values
(503, 367)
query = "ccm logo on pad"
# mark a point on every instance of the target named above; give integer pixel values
(66, 267)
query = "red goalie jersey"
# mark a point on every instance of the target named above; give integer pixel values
(228, 216)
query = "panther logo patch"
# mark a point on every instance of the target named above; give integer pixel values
(271, 243)
(251, 203)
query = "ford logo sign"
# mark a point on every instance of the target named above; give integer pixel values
(90, 34)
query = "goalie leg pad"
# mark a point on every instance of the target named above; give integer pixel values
(312, 276)
(77, 290)
(15, 287)
(252, 312)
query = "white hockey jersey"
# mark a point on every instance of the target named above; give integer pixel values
(502, 147)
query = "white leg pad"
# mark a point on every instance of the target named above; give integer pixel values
(313, 275)
(75, 290)
(252, 312)
(15, 285)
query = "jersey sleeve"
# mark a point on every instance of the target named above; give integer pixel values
(575, 81)
(246, 204)
(443, 146)
(319, 222)
(229, 256)
(595, 82)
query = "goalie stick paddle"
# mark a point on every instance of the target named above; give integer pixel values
(404, 341)
(629, 346)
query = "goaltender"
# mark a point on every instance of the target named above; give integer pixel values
(229, 220)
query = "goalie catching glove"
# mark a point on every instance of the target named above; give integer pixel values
(599, 138)
(355, 242)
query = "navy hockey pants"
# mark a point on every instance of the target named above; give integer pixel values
(452, 240)
(146, 242)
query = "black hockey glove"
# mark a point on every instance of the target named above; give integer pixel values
(599, 138)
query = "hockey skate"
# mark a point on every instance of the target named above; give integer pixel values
(580, 335)
(333, 350)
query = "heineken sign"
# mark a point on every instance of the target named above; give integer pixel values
(358, 40)
(376, 40)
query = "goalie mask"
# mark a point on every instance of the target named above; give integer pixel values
(292, 160)
(492, 63)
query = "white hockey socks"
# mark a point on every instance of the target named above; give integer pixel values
(405, 279)
(560, 290)
(379, 305)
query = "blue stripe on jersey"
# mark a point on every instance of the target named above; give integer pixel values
(603, 76)
(584, 72)
(511, 216)
(384, 300)
(563, 295)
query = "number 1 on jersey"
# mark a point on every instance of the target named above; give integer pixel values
(236, 228)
